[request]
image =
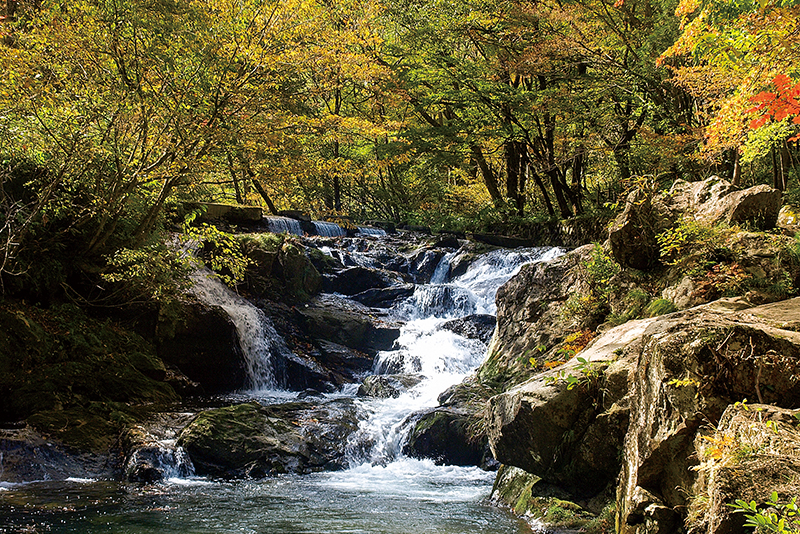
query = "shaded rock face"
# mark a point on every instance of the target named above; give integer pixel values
(569, 437)
(347, 323)
(28, 456)
(633, 235)
(444, 434)
(204, 345)
(355, 280)
(250, 440)
(150, 451)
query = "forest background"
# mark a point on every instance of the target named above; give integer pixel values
(458, 115)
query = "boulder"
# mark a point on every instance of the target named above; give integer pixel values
(356, 280)
(422, 264)
(530, 317)
(347, 323)
(477, 326)
(384, 297)
(448, 436)
(752, 452)
(569, 435)
(686, 378)
(27, 456)
(202, 342)
(250, 440)
(632, 237)
(150, 451)
(388, 386)
(716, 200)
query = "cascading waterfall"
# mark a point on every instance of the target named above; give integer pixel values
(370, 231)
(257, 337)
(443, 357)
(279, 225)
(328, 229)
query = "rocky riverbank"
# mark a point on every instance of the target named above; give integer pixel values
(654, 417)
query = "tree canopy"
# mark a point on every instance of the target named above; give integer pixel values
(458, 115)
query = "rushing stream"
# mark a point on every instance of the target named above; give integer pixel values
(382, 491)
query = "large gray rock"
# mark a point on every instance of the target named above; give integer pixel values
(685, 378)
(569, 437)
(250, 440)
(530, 317)
(347, 323)
(632, 237)
(388, 386)
(752, 452)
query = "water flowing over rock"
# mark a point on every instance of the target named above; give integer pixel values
(279, 225)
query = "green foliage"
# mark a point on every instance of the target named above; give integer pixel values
(688, 239)
(774, 516)
(660, 307)
(151, 273)
(589, 375)
(598, 274)
(222, 252)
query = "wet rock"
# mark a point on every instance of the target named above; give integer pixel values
(150, 451)
(447, 241)
(250, 440)
(422, 264)
(27, 456)
(384, 297)
(388, 386)
(347, 361)
(202, 342)
(478, 326)
(356, 280)
(446, 435)
(347, 323)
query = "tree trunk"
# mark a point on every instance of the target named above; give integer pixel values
(489, 177)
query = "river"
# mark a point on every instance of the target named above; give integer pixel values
(381, 491)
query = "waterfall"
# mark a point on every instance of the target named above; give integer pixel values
(328, 229)
(279, 225)
(443, 357)
(257, 337)
(368, 230)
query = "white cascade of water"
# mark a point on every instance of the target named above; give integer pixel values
(368, 230)
(329, 229)
(279, 225)
(443, 357)
(257, 337)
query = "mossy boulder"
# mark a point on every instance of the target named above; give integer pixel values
(449, 436)
(250, 440)
(73, 377)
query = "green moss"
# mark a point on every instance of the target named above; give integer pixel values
(75, 378)
(660, 307)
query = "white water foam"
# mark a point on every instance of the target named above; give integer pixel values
(443, 357)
